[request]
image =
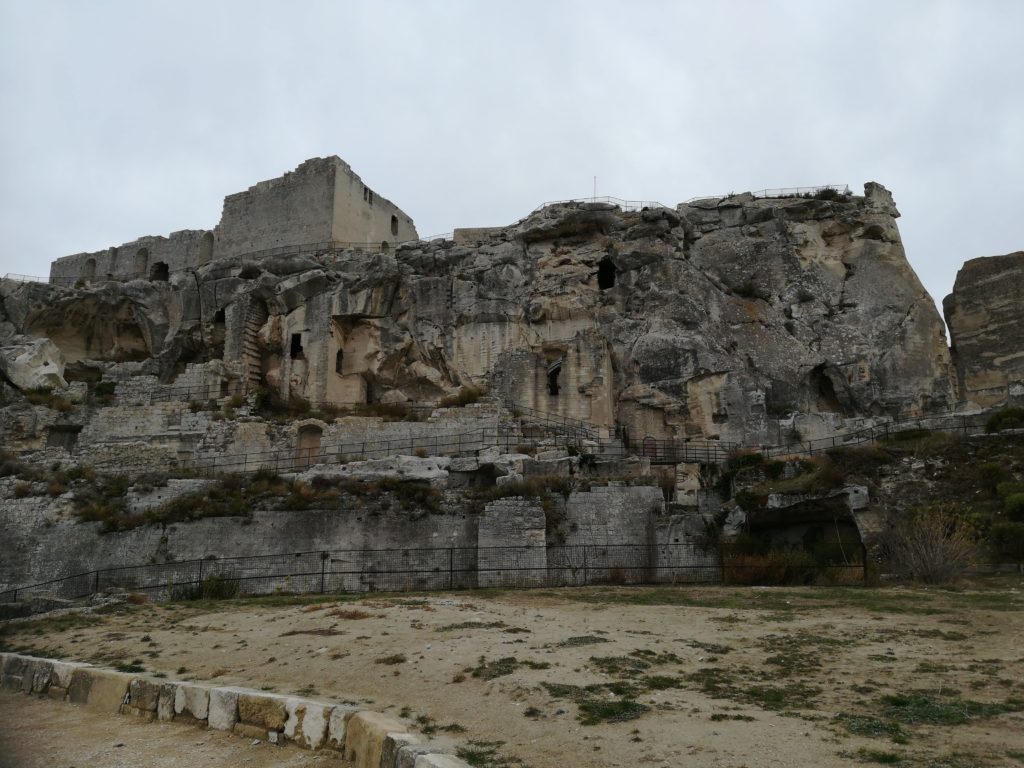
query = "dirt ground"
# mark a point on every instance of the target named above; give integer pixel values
(39, 733)
(618, 676)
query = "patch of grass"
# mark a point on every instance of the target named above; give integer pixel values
(935, 708)
(880, 756)
(479, 625)
(574, 642)
(593, 712)
(488, 670)
(395, 658)
(873, 727)
(485, 754)
(720, 716)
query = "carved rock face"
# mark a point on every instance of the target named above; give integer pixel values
(984, 315)
(719, 319)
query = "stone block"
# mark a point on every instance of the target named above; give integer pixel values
(223, 712)
(15, 667)
(364, 737)
(191, 700)
(143, 694)
(393, 744)
(439, 761)
(266, 712)
(99, 690)
(57, 693)
(336, 726)
(61, 671)
(42, 671)
(307, 722)
(165, 701)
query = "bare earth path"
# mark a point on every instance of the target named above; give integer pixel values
(706, 677)
(39, 733)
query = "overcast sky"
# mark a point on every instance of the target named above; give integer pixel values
(127, 118)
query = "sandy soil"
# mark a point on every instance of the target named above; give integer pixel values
(730, 676)
(39, 733)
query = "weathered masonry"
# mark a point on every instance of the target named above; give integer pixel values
(322, 202)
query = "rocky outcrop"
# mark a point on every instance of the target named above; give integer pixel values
(722, 318)
(984, 316)
(30, 363)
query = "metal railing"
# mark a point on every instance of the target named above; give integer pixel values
(626, 205)
(965, 423)
(422, 569)
(843, 189)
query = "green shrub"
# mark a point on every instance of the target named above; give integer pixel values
(213, 587)
(103, 392)
(1013, 505)
(1008, 489)
(991, 474)
(1007, 539)
(746, 459)
(1007, 418)
(827, 193)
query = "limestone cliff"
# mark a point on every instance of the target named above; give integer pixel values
(984, 314)
(721, 318)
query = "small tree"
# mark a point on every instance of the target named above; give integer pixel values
(932, 544)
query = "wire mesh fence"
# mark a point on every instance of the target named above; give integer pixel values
(423, 569)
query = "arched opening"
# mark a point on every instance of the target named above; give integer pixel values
(394, 225)
(307, 449)
(206, 248)
(160, 272)
(823, 391)
(89, 270)
(141, 263)
(384, 245)
(339, 362)
(553, 373)
(606, 274)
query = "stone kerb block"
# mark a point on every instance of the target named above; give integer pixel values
(191, 700)
(39, 679)
(14, 668)
(336, 726)
(99, 690)
(263, 711)
(143, 698)
(308, 722)
(365, 734)
(393, 744)
(223, 713)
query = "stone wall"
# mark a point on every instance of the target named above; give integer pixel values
(321, 201)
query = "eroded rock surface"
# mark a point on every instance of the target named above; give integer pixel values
(984, 314)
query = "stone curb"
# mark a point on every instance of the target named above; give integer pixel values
(369, 739)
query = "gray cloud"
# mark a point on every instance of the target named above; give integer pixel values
(131, 118)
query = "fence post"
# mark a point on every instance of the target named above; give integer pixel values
(864, 561)
(323, 571)
(451, 568)
(199, 583)
(96, 582)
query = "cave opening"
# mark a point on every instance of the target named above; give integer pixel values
(160, 272)
(606, 272)
(553, 373)
(339, 362)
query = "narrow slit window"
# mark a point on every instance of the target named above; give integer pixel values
(553, 373)
(295, 350)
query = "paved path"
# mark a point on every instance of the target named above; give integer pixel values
(39, 733)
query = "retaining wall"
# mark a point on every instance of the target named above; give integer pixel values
(368, 739)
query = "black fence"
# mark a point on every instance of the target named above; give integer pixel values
(401, 570)
(899, 429)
